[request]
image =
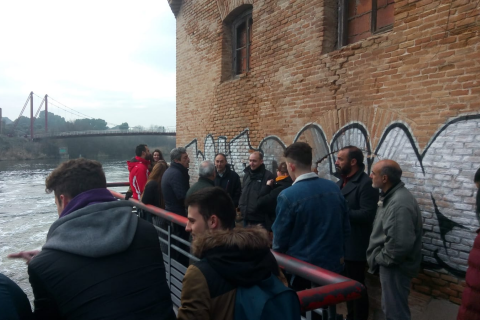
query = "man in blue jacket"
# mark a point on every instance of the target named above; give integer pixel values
(312, 215)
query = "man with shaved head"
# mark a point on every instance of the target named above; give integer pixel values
(256, 176)
(396, 240)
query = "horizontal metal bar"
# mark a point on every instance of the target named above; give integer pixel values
(117, 184)
(169, 216)
(185, 253)
(185, 242)
(334, 288)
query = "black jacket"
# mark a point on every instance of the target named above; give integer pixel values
(267, 202)
(253, 181)
(14, 303)
(230, 182)
(151, 195)
(175, 184)
(100, 262)
(362, 200)
(199, 185)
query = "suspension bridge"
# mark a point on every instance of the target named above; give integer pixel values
(46, 101)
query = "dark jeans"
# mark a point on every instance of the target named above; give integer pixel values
(180, 232)
(357, 309)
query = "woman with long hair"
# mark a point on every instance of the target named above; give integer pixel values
(153, 189)
(157, 156)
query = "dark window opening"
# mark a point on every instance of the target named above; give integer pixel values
(242, 40)
(359, 19)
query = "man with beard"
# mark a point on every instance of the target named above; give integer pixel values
(362, 200)
(231, 259)
(256, 176)
(139, 168)
(227, 179)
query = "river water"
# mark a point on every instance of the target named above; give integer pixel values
(27, 211)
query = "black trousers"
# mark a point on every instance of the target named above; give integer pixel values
(357, 309)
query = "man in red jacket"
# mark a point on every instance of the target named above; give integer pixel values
(470, 308)
(138, 168)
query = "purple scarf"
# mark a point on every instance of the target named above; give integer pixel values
(87, 198)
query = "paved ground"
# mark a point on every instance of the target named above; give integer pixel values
(422, 307)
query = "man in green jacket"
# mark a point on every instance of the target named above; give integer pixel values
(206, 177)
(396, 240)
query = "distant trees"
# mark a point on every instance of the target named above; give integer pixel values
(56, 124)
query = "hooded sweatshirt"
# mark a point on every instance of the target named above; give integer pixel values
(100, 262)
(229, 259)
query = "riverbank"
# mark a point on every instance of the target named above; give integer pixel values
(16, 148)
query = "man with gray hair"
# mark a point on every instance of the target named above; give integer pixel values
(176, 181)
(175, 184)
(206, 178)
(396, 240)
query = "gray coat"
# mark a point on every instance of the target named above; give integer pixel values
(396, 239)
(362, 200)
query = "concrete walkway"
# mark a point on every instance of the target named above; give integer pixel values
(422, 307)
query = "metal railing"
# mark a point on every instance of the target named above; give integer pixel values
(328, 288)
(107, 132)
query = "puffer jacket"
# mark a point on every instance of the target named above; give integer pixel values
(89, 266)
(470, 308)
(253, 181)
(229, 259)
(396, 239)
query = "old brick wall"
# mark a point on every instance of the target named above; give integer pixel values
(411, 94)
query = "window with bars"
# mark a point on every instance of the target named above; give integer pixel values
(242, 40)
(359, 19)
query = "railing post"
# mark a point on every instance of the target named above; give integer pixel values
(170, 255)
(332, 312)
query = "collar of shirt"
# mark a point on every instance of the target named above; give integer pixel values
(305, 176)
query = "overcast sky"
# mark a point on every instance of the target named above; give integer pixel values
(113, 60)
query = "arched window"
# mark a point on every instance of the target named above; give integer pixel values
(242, 40)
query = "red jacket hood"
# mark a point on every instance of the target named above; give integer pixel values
(134, 162)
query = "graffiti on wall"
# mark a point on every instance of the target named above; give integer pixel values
(440, 177)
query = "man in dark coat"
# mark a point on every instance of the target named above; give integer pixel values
(176, 182)
(89, 266)
(256, 176)
(362, 200)
(227, 179)
(206, 174)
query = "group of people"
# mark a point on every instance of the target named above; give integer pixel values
(101, 261)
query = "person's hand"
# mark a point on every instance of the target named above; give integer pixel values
(270, 182)
(26, 255)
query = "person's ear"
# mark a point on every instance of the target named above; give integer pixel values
(213, 222)
(353, 162)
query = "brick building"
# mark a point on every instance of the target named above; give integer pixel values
(399, 79)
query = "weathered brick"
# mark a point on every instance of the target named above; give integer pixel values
(423, 75)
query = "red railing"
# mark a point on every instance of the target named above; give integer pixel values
(332, 290)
